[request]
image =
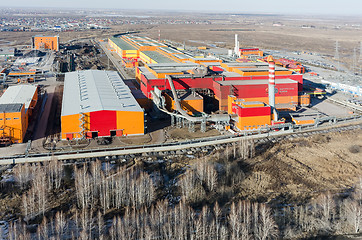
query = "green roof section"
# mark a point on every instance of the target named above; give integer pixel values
(158, 57)
(122, 44)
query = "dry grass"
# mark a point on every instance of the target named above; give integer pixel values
(183, 133)
(303, 168)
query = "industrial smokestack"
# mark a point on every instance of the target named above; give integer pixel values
(237, 46)
(271, 86)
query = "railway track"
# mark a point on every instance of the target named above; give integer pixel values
(170, 147)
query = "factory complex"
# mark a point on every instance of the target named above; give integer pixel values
(245, 91)
(207, 84)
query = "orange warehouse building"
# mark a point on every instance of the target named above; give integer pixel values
(46, 42)
(99, 104)
(16, 106)
(13, 123)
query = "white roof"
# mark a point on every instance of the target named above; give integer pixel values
(19, 94)
(96, 90)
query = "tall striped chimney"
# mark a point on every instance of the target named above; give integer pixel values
(271, 85)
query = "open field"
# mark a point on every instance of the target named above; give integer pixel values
(304, 168)
(293, 33)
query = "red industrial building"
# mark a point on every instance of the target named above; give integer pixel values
(222, 83)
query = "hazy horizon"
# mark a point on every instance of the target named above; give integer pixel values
(309, 7)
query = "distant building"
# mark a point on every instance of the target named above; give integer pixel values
(99, 104)
(16, 107)
(46, 42)
(8, 52)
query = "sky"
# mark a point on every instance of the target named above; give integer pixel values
(325, 7)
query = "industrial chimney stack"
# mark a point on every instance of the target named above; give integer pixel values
(237, 46)
(271, 81)
(271, 86)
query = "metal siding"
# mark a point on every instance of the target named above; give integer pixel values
(252, 112)
(255, 91)
(103, 122)
(143, 84)
(251, 91)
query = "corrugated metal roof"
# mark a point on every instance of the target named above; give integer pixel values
(231, 74)
(96, 90)
(11, 107)
(122, 44)
(182, 56)
(170, 50)
(22, 94)
(262, 69)
(158, 57)
(254, 66)
(255, 82)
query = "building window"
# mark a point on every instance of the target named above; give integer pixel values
(7, 118)
(1, 119)
(16, 118)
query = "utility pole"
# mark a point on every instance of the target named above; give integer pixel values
(354, 66)
(336, 55)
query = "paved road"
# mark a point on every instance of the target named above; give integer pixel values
(114, 60)
(42, 124)
(271, 136)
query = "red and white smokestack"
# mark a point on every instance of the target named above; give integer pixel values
(271, 86)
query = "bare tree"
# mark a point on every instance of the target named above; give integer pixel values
(55, 173)
(60, 224)
(43, 231)
(100, 225)
(23, 174)
(353, 214)
(266, 227)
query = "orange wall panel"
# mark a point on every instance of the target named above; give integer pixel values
(71, 124)
(40, 42)
(249, 123)
(13, 125)
(132, 123)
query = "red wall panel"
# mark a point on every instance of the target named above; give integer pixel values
(103, 122)
(251, 112)
(242, 91)
(261, 90)
(257, 111)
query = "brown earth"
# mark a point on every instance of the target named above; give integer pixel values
(303, 168)
(183, 133)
